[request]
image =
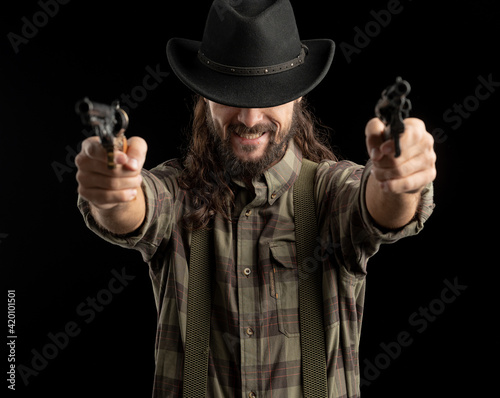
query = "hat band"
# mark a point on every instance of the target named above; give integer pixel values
(254, 71)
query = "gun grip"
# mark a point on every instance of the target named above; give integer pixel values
(121, 144)
(111, 159)
(124, 144)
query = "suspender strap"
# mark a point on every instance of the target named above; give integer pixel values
(312, 335)
(198, 316)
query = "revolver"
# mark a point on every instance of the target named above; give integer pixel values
(392, 108)
(109, 122)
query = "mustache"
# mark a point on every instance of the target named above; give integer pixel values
(240, 128)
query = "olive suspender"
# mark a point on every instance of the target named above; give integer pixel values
(312, 332)
(199, 309)
(312, 338)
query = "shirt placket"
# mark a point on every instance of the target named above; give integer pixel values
(248, 292)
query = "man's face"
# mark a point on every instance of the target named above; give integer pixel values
(250, 140)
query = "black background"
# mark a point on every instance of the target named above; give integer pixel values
(88, 48)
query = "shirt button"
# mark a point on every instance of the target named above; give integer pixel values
(249, 332)
(247, 271)
(248, 213)
(251, 394)
(273, 195)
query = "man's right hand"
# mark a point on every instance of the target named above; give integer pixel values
(115, 194)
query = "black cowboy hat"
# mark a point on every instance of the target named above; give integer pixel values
(251, 55)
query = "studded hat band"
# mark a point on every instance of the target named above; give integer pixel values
(254, 71)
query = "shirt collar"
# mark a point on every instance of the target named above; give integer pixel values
(282, 175)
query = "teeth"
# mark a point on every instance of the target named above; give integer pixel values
(251, 136)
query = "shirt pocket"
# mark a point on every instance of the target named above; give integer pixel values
(284, 286)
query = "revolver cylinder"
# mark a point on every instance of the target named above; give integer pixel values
(109, 122)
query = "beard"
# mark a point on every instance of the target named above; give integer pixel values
(249, 169)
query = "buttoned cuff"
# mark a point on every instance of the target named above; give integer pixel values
(423, 212)
(129, 240)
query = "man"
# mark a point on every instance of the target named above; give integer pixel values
(251, 131)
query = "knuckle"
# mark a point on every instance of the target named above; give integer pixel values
(433, 157)
(429, 159)
(430, 139)
(84, 193)
(433, 174)
(143, 143)
(84, 179)
(373, 127)
(80, 177)
(428, 142)
(417, 124)
(79, 160)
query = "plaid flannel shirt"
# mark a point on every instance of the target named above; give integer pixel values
(255, 343)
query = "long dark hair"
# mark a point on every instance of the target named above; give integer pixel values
(208, 181)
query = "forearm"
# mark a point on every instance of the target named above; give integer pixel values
(395, 184)
(123, 218)
(114, 196)
(390, 210)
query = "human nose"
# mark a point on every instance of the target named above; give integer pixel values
(250, 116)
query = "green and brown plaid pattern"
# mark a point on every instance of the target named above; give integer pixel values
(255, 344)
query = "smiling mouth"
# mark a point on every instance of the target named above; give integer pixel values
(250, 136)
(251, 133)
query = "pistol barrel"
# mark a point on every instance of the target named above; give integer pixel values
(392, 108)
(109, 123)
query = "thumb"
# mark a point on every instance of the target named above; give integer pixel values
(374, 133)
(136, 153)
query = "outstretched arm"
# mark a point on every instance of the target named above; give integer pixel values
(115, 195)
(394, 187)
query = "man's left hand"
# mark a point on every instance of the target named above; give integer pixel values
(413, 169)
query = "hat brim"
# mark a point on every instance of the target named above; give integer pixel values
(250, 91)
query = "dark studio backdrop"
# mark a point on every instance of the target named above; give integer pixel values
(84, 312)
